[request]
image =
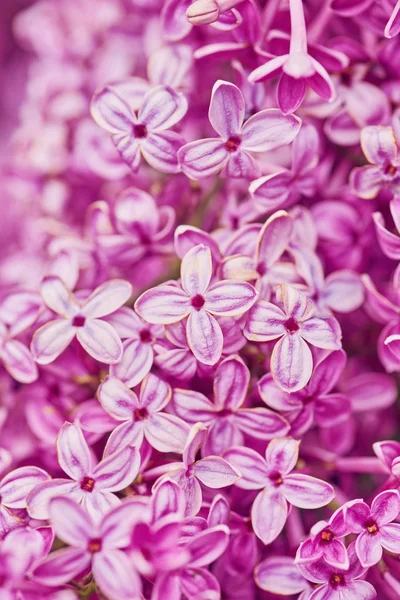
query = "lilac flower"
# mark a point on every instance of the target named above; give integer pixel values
(98, 546)
(279, 487)
(80, 319)
(146, 133)
(374, 526)
(380, 149)
(338, 583)
(226, 419)
(231, 151)
(212, 471)
(298, 69)
(296, 324)
(90, 484)
(142, 417)
(198, 301)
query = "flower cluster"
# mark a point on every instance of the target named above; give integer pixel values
(200, 300)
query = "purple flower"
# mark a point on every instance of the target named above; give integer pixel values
(293, 327)
(146, 133)
(374, 526)
(81, 320)
(142, 417)
(225, 417)
(279, 487)
(99, 546)
(91, 484)
(198, 301)
(231, 151)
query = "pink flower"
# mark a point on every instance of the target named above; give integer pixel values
(296, 324)
(142, 417)
(92, 484)
(298, 69)
(200, 302)
(99, 546)
(80, 319)
(374, 526)
(278, 485)
(232, 150)
(225, 417)
(213, 471)
(380, 148)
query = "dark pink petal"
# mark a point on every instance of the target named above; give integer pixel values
(118, 470)
(269, 129)
(166, 433)
(379, 145)
(161, 150)
(369, 549)
(186, 236)
(73, 452)
(61, 566)
(199, 583)
(356, 514)
(57, 296)
(251, 465)
(385, 507)
(117, 399)
(390, 537)
(163, 304)
(282, 454)
(203, 158)
(332, 409)
(322, 332)
(268, 514)
(261, 423)
(16, 485)
(19, 362)
(387, 452)
(136, 362)
(366, 181)
(223, 434)
(230, 383)
(173, 18)
(204, 337)
(215, 472)
(268, 70)
(162, 108)
(279, 575)
(290, 93)
(196, 270)
(207, 546)
(110, 111)
(274, 397)
(71, 522)
(115, 576)
(327, 372)
(335, 554)
(167, 587)
(50, 340)
(291, 363)
(321, 83)
(230, 298)
(305, 491)
(351, 8)
(100, 340)
(107, 298)
(227, 108)
(265, 322)
(388, 241)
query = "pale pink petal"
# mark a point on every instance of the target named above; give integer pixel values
(274, 238)
(265, 322)
(305, 491)
(192, 491)
(117, 399)
(290, 93)
(161, 150)
(136, 362)
(57, 296)
(207, 546)
(305, 149)
(272, 395)
(253, 468)
(100, 340)
(200, 583)
(129, 149)
(388, 241)
(356, 590)
(203, 158)
(279, 575)
(19, 362)
(227, 109)
(269, 69)
(110, 111)
(282, 454)
(322, 332)
(385, 507)
(70, 522)
(379, 145)
(223, 434)
(16, 485)
(163, 305)
(390, 537)
(366, 181)
(269, 129)
(107, 298)
(215, 472)
(192, 406)
(196, 270)
(50, 340)
(261, 423)
(115, 576)
(369, 549)
(126, 434)
(39, 499)
(335, 554)
(268, 514)
(241, 165)
(230, 298)
(204, 337)
(73, 452)
(61, 566)
(271, 191)
(291, 363)
(196, 438)
(166, 433)
(117, 470)
(392, 27)
(344, 291)
(162, 107)
(297, 304)
(230, 383)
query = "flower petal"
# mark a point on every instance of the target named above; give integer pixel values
(385, 507)
(268, 515)
(291, 363)
(117, 470)
(230, 298)
(163, 305)
(18, 361)
(282, 454)
(252, 466)
(38, 500)
(100, 340)
(215, 472)
(51, 339)
(162, 108)
(204, 337)
(366, 181)
(305, 491)
(261, 423)
(70, 522)
(57, 296)
(61, 566)
(265, 322)
(227, 109)
(117, 399)
(379, 145)
(115, 576)
(161, 150)
(16, 485)
(203, 158)
(166, 433)
(269, 129)
(110, 111)
(279, 575)
(135, 364)
(322, 332)
(196, 270)
(290, 93)
(73, 452)
(230, 383)
(206, 546)
(107, 298)
(369, 549)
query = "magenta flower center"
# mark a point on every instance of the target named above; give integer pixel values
(140, 414)
(261, 269)
(390, 170)
(145, 336)
(291, 325)
(78, 321)
(224, 412)
(336, 580)
(326, 537)
(87, 484)
(233, 143)
(94, 545)
(198, 302)
(276, 478)
(139, 130)
(371, 527)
